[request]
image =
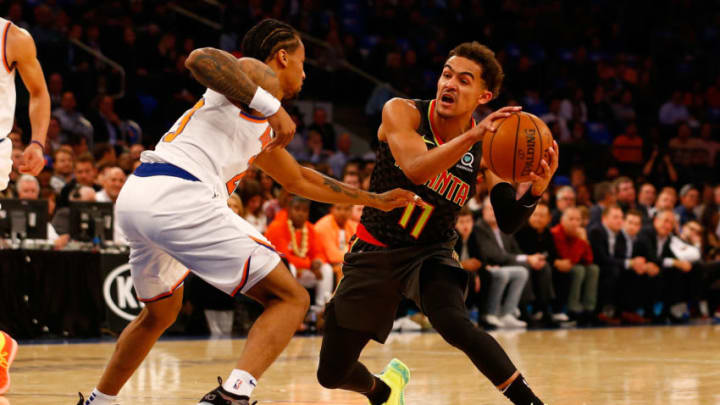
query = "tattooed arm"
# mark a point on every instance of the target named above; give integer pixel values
(282, 167)
(238, 80)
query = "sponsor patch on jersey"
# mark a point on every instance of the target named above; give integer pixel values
(466, 162)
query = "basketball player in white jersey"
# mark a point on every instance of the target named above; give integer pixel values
(17, 51)
(174, 214)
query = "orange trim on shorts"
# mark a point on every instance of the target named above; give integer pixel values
(169, 293)
(4, 47)
(267, 245)
(246, 271)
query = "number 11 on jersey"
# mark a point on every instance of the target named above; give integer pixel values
(427, 210)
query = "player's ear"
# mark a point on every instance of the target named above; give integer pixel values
(282, 57)
(486, 96)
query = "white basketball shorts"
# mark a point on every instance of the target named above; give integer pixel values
(5, 162)
(175, 226)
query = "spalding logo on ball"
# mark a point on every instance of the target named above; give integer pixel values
(517, 147)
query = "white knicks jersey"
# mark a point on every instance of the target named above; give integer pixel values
(7, 83)
(215, 141)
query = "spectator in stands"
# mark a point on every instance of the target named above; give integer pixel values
(708, 147)
(605, 197)
(85, 174)
(660, 169)
(71, 120)
(252, 201)
(338, 160)
(28, 188)
(627, 148)
(113, 181)
(106, 123)
(683, 149)
(504, 261)
(468, 247)
(61, 219)
(55, 138)
(674, 110)
(689, 199)
(315, 149)
(710, 220)
(334, 232)
(297, 240)
(235, 204)
(63, 165)
(609, 248)
(321, 125)
(16, 156)
(104, 154)
(666, 200)
(639, 288)
(624, 193)
(55, 88)
(535, 238)
(646, 201)
(677, 277)
(570, 244)
(564, 198)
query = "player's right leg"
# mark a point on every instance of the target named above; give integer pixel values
(133, 345)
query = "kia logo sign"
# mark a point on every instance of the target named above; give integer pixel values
(119, 293)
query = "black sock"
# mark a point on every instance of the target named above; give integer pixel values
(519, 393)
(380, 393)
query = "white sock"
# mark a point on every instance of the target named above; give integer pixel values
(98, 398)
(240, 383)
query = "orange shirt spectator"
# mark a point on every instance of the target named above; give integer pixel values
(308, 248)
(334, 232)
(627, 148)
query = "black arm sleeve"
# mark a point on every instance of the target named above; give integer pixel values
(510, 213)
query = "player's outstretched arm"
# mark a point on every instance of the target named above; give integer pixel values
(296, 179)
(400, 120)
(21, 52)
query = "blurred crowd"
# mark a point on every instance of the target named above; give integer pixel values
(633, 101)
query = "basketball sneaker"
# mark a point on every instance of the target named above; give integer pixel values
(219, 396)
(82, 401)
(396, 375)
(8, 349)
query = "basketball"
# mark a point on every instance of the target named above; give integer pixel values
(517, 147)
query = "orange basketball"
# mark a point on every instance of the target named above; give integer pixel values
(516, 147)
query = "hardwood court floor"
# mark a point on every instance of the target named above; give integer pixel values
(619, 366)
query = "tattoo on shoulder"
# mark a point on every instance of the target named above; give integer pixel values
(222, 74)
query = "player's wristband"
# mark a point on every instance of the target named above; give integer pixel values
(39, 144)
(528, 200)
(264, 102)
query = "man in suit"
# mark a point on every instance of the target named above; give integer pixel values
(504, 261)
(646, 202)
(604, 196)
(637, 288)
(675, 274)
(535, 238)
(610, 250)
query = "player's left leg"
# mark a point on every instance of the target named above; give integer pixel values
(8, 349)
(442, 290)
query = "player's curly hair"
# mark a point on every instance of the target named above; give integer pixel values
(267, 37)
(492, 72)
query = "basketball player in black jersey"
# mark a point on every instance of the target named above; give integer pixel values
(433, 149)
